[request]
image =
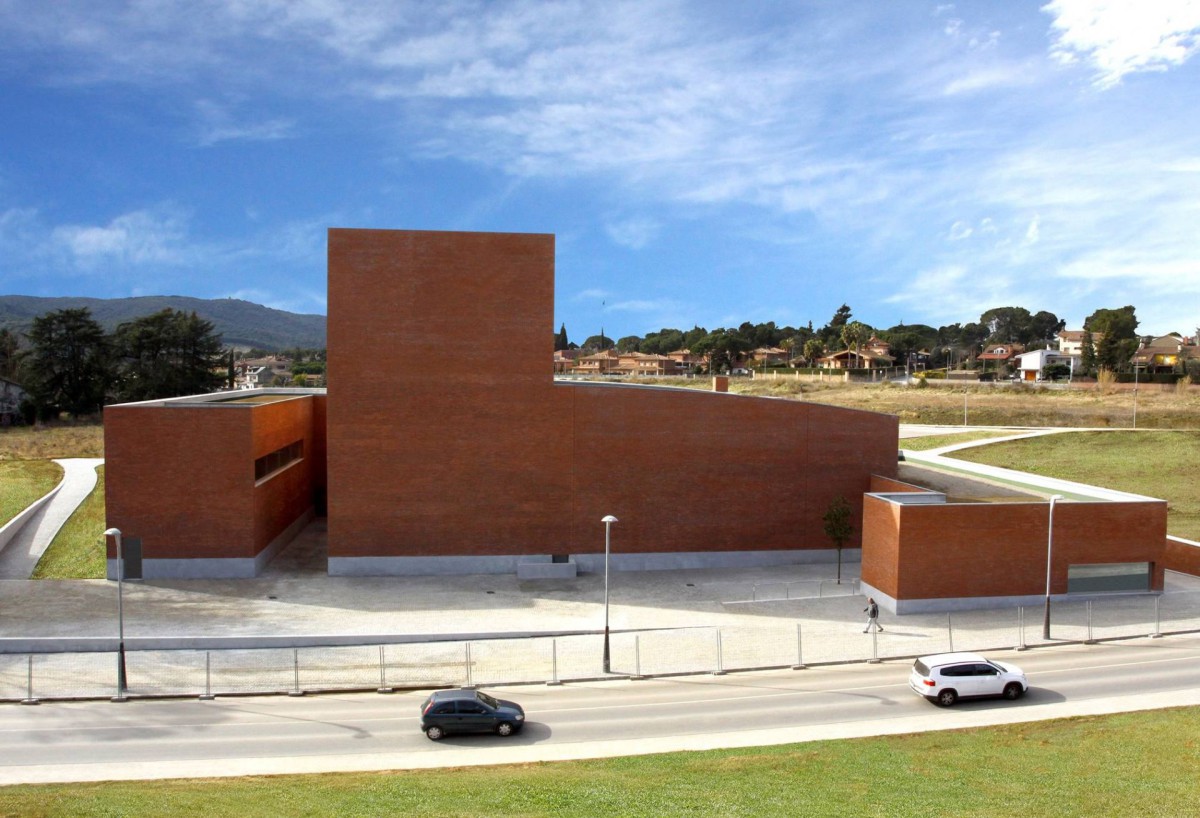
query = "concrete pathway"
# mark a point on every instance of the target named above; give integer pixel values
(21, 556)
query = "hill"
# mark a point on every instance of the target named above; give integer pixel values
(240, 323)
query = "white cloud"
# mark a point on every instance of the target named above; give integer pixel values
(1121, 37)
(960, 230)
(138, 238)
(217, 124)
(592, 295)
(1033, 232)
(633, 233)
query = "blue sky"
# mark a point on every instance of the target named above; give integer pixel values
(700, 162)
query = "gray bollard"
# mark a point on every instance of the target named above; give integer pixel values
(383, 685)
(554, 681)
(1157, 622)
(799, 650)
(295, 691)
(207, 695)
(29, 697)
(720, 671)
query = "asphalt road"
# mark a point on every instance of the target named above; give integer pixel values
(87, 741)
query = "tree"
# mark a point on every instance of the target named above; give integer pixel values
(1118, 340)
(167, 354)
(1087, 353)
(10, 358)
(663, 341)
(1045, 326)
(853, 334)
(838, 527)
(724, 348)
(560, 340)
(812, 350)
(1007, 324)
(832, 331)
(597, 343)
(630, 343)
(1054, 372)
(69, 364)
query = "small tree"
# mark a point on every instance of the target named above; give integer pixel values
(1054, 372)
(838, 527)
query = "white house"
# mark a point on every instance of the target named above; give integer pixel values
(1031, 364)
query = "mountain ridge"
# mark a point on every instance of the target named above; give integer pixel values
(239, 323)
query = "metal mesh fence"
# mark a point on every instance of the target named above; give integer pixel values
(778, 641)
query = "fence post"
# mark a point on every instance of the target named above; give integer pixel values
(1089, 640)
(637, 657)
(207, 695)
(1021, 628)
(1157, 622)
(29, 698)
(554, 663)
(799, 650)
(296, 691)
(950, 631)
(469, 683)
(720, 671)
(383, 685)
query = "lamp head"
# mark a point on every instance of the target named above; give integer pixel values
(609, 519)
(113, 532)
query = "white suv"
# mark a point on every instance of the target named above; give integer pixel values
(947, 677)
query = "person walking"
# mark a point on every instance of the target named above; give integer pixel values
(872, 612)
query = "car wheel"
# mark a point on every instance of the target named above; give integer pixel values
(1012, 691)
(947, 697)
(435, 733)
(504, 728)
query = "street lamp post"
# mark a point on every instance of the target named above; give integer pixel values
(608, 521)
(1135, 388)
(115, 533)
(1049, 551)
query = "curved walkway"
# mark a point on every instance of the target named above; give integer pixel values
(21, 556)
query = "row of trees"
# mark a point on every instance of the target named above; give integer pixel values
(949, 344)
(71, 365)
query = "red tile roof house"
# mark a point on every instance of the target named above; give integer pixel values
(644, 364)
(997, 357)
(685, 361)
(1164, 354)
(769, 356)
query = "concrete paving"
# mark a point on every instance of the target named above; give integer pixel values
(294, 602)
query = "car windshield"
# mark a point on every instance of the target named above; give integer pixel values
(488, 700)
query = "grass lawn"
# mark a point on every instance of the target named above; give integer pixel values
(46, 442)
(1126, 764)
(78, 550)
(22, 482)
(1157, 464)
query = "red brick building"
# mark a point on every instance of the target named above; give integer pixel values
(447, 467)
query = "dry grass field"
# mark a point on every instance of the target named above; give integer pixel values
(1093, 406)
(48, 441)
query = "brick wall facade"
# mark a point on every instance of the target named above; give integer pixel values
(999, 549)
(432, 457)
(181, 479)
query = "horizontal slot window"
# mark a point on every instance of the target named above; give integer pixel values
(268, 464)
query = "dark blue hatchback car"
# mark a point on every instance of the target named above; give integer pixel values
(469, 711)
